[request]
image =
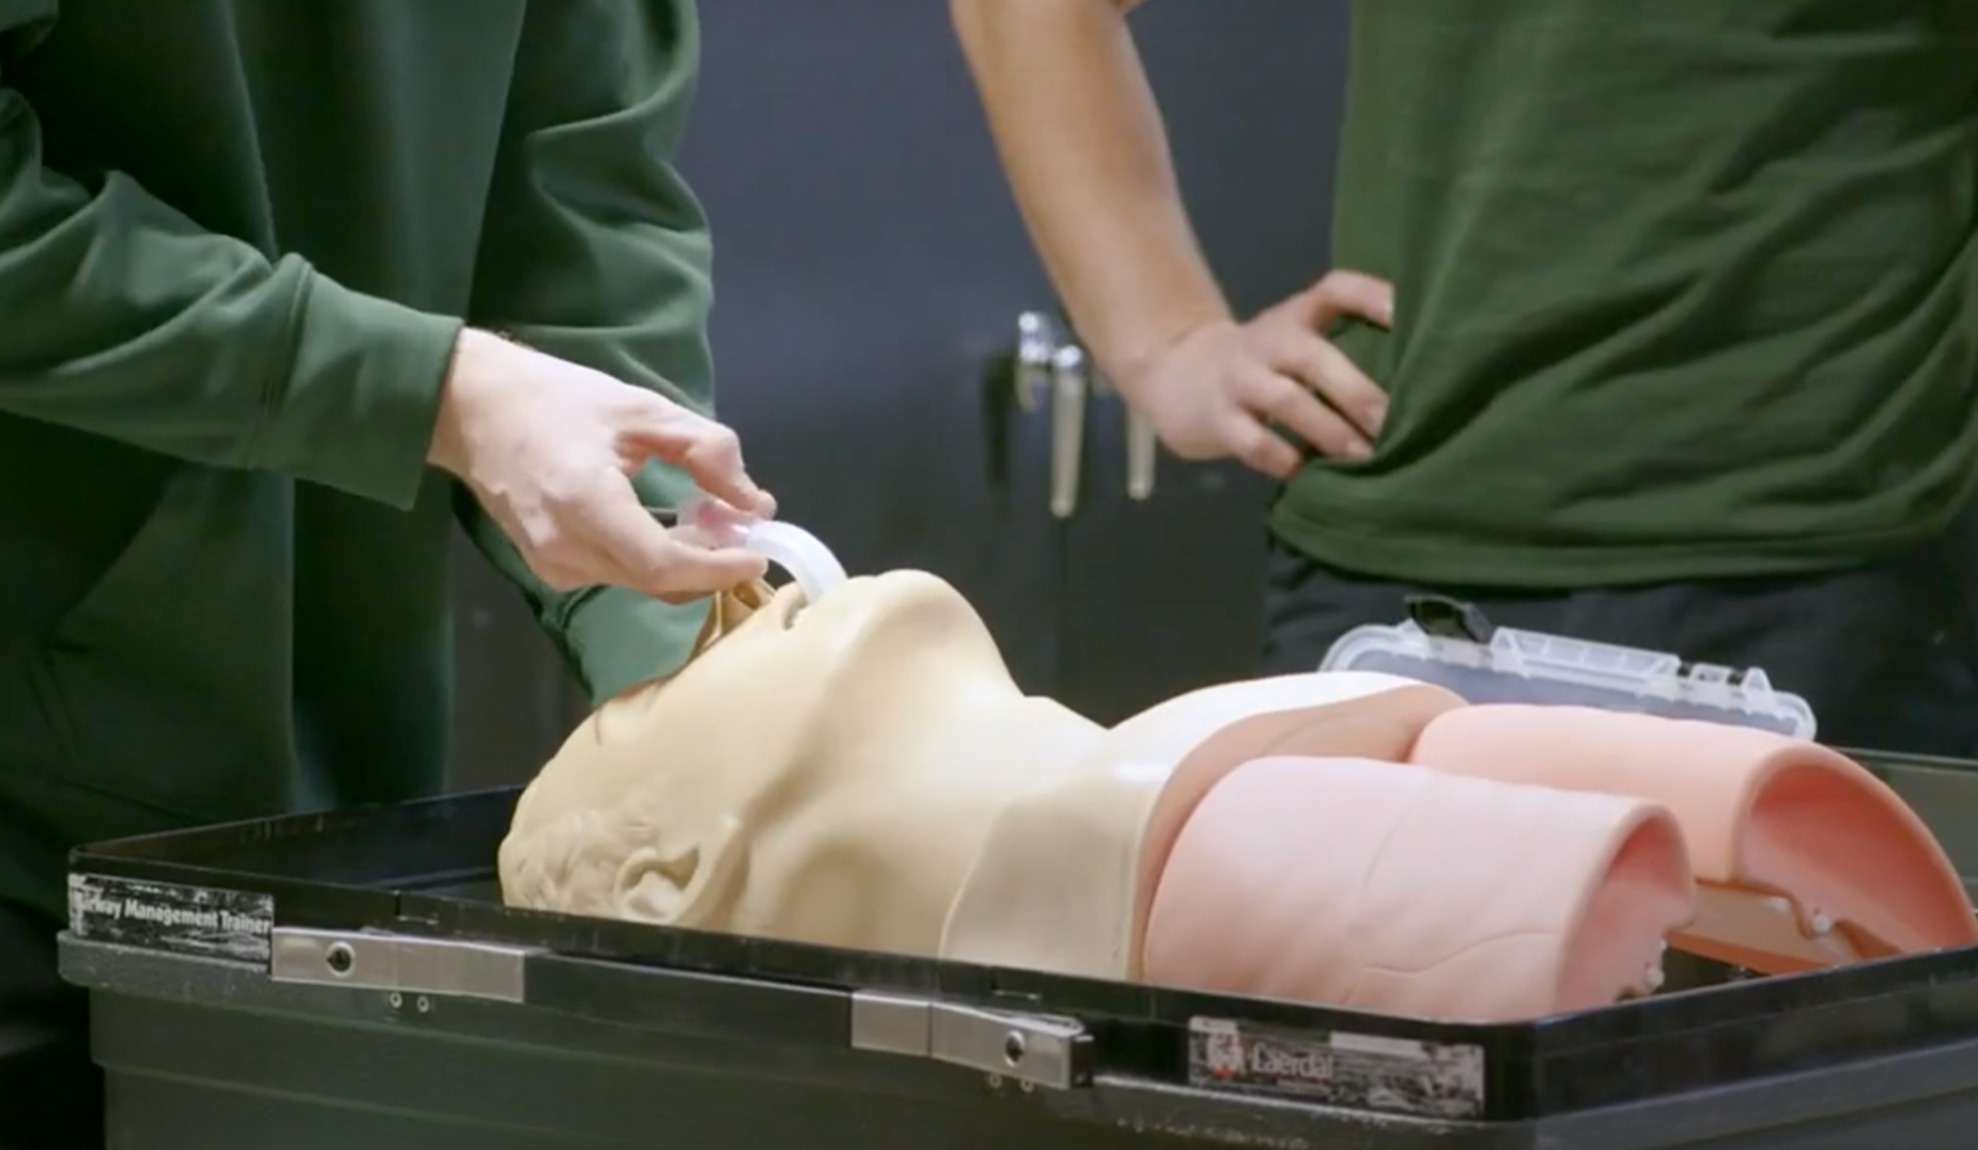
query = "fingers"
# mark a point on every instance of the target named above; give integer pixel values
(1277, 397)
(634, 551)
(1319, 365)
(1276, 377)
(1346, 415)
(709, 452)
(1344, 293)
(691, 572)
(1262, 449)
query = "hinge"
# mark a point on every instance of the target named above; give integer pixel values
(399, 964)
(1028, 1048)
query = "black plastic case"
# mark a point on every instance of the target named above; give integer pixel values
(321, 980)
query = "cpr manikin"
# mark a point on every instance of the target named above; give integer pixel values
(863, 773)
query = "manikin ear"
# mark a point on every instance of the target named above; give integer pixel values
(686, 884)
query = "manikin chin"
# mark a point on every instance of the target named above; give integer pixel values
(863, 772)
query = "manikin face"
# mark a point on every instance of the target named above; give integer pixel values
(821, 772)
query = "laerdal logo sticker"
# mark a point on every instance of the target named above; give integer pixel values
(211, 922)
(1399, 1076)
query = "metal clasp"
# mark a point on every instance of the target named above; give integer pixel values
(399, 964)
(1033, 1049)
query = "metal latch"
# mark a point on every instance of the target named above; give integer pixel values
(1028, 1048)
(1445, 618)
(399, 964)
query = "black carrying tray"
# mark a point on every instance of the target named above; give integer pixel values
(425, 869)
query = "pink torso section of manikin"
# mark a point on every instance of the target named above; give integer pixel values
(1381, 726)
(1781, 821)
(1279, 862)
(1805, 859)
(1385, 887)
(1064, 879)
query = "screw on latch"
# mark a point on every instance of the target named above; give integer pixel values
(340, 958)
(1013, 1047)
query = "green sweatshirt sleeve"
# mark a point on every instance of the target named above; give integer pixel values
(125, 319)
(596, 251)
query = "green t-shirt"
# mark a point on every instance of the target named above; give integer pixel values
(1683, 290)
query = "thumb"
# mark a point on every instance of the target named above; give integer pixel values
(709, 452)
(699, 572)
(643, 556)
(691, 572)
(1340, 294)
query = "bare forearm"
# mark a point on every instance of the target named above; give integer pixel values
(1087, 156)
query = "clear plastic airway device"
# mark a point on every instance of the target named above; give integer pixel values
(809, 562)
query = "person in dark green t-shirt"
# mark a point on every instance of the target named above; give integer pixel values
(289, 289)
(1653, 325)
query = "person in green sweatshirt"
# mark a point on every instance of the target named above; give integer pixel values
(286, 290)
(1649, 324)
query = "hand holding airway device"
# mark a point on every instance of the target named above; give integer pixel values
(709, 522)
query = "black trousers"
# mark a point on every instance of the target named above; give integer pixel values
(1886, 654)
(51, 1094)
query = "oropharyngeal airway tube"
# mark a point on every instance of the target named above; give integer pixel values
(809, 562)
